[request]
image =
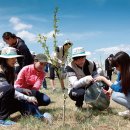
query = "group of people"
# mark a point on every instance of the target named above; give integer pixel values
(80, 71)
(19, 86)
(22, 90)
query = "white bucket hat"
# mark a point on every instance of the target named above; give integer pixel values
(9, 52)
(68, 42)
(78, 51)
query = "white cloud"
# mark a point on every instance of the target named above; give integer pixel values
(27, 35)
(114, 49)
(18, 25)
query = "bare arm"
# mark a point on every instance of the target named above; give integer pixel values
(105, 80)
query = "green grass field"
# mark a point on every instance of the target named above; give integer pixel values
(88, 119)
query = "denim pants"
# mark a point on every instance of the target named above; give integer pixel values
(122, 99)
(43, 99)
(9, 105)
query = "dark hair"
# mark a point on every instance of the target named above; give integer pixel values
(79, 57)
(8, 71)
(122, 59)
(8, 35)
(111, 55)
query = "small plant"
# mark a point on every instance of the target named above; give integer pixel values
(54, 61)
(43, 40)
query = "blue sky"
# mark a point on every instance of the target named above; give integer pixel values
(102, 27)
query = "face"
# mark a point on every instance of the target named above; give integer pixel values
(118, 68)
(80, 62)
(11, 62)
(10, 41)
(40, 65)
(67, 46)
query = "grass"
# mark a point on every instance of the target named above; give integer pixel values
(88, 119)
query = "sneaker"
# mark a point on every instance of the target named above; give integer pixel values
(39, 116)
(48, 117)
(125, 113)
(6, 122)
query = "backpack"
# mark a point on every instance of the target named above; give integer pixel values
(96, 96)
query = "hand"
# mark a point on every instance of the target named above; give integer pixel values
(108, 94)
(109, 91)
(99, 78)
(27, 91)
(32, 100)
(89, 79)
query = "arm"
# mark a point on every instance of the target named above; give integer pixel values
(24, 90)
(39, 82)
(105, 80)
(81, 82)
(21, 96)
(74, 81)
(114, 86)
(28, 59)
(20, 78)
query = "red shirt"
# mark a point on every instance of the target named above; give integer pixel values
(29, 78)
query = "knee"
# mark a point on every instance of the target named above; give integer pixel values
(114, 96)
(47, 101)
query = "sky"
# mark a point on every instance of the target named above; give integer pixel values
(102, 27)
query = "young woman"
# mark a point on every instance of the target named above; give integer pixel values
(30, 79)
(121, 88)
(13, 41)
(60, 57)
(10, 99)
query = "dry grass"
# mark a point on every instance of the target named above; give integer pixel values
(88, 119)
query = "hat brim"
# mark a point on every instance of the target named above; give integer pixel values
(78, 55)
(10, 56)
(43, 61)
(71, 44)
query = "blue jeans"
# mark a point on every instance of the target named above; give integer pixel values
(122, 99)
(30, 109)
(43, 99)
